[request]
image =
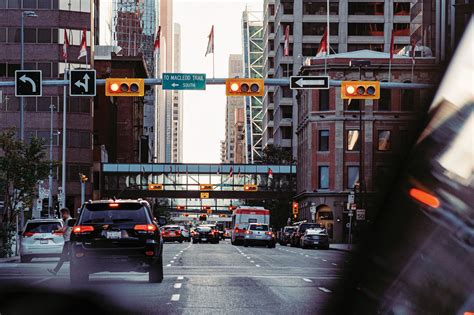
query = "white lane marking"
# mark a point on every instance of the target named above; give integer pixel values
(175, 297)
(324, 289)
(301, 253)
(42, 280)
(180, 278)
(178, 285)
(306, 256)
(248, 257)
(168, 265)
(334, 264)
(172, 261)
(257, 265)
(175, 257)
(180, 251)
(324, 260)
(252, 261)
(307, 280)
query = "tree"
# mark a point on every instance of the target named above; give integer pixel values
(276, 155)
(22, 165)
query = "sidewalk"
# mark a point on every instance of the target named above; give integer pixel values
(344, 247)
(10, 259)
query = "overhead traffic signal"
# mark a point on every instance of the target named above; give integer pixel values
(179, 207)
(295, 208)
(124, 87)
(83, 178)
(206, 187)
(155, 186)
(244, 87)
(250, 187)
(360, 90)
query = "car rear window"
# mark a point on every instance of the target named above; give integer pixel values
(290, 230)
(258, 227)
(170, 228)
(203, 229)
(42, 227)
(105, 213)
(304, 227)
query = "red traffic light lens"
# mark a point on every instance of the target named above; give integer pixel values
(124, 87)
(244, 87)
(114, 87)
(234, 87)
(254, 88)
(361, 90)
(350, 89)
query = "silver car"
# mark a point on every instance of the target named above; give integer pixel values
(39, 239)
(258, 233)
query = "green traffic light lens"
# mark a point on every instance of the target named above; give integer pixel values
(244, 87)
(134, 87)
(371, 90)
(360, 90)
(124, 87)
(254, 87)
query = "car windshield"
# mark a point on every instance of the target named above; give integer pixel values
(258, 227)
(42, 227)
(105, 214)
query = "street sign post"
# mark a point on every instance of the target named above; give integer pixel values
(82, 83)
(28, 83)
(309, 82)
(351, 198)
(184, 81)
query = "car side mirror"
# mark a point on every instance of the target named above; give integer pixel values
(71, 222)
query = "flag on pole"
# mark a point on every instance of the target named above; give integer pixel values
(270, 173)
(83, 51)
(231, 172)
(156, 46)
(219, 170)
(239, 172)
(323, 45)
(286, 49)
(65, 45)
(392, 45)
(210, 44)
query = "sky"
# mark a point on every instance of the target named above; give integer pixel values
(204, 111)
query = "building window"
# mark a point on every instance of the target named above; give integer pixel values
(364, 8)
(323, 100)
(353, 140)
(408, 99)
(288, 8)
(385, 100)
(44, 35)
(3, 34)
(383, 140)
(287, 92)
(13, 35)
(353, 104)
(352, 176)
(323, 179)
(318, 29)
(365, 29)
(14, 4)
(323, 143)
(30, 4)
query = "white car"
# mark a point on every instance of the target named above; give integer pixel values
(185, 233)
(39, 239)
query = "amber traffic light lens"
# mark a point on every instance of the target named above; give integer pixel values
(360, 90)
(244, 87)
(371, 90)
(114, 87)
(134, 87)
(350, 89)
(234, 87)
(124, 87)
(254, 87)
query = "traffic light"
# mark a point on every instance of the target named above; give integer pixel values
(232, 208)
(360, 90)
(206, 187)
(155, 186)
(83, 178)
(244, 87)
(250, 187)
(124, 87)
(295, 208)
(179, 207)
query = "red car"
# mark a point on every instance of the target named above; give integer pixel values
(171, 233)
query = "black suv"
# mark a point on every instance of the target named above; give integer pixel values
(300, 229)
(116, 236)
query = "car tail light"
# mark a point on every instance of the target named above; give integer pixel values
(177, 232)
(113, 205)
(269, 233)
(82, 229)
(248, 232)
(424, 198)
(28, 234)
(145, 227)
(215, 232)
(149, 253)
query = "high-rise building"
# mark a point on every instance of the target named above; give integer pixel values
(252, 37)
(177, 114)
(233, 103)
(43, 42)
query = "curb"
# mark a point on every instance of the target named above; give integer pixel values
(354, 249)
(9, 259)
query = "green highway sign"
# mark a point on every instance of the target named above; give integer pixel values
(184, 81)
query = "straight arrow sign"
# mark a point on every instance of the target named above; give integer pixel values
(309, 82)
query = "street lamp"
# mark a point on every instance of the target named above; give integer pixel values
(22, 100)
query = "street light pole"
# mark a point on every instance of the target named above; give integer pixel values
(50, 184)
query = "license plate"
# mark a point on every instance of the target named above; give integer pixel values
(316, 242)
(43, 241)
(113, 235)
(259, 236)
(204, 239)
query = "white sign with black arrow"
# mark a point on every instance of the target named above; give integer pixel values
(309, 82)
(82, 83)
(28, 83)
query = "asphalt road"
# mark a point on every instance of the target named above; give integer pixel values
(207, 279)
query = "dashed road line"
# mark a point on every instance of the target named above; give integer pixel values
(180, 277)
(324, 289)
(172, 261)
(175, 297)
(257, 265)
(324, 260)
(178, 285)
(168, 265)
(307, 280)
(334, 264)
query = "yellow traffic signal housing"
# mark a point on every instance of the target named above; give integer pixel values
(360, 90)
(155, 186)
(295, 208)
(244, 87)
(124, 87)
(83, 178)
(250, 187)
(206, 187)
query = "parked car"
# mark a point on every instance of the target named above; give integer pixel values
(285, 235)
(206, 234)
(116, 236)
(312, 238)
(258, 233)
(300, 229)
(40, 239)
(172, 233)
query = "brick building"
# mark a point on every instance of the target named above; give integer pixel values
(329, 141)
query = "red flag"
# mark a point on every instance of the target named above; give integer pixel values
(231, 173)
(286, 49)
(392, 45)
(323, 45)
(210, 44)
(156, 46)
(413, 45)
(270, 173)
(65, 45)
(83, 51)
